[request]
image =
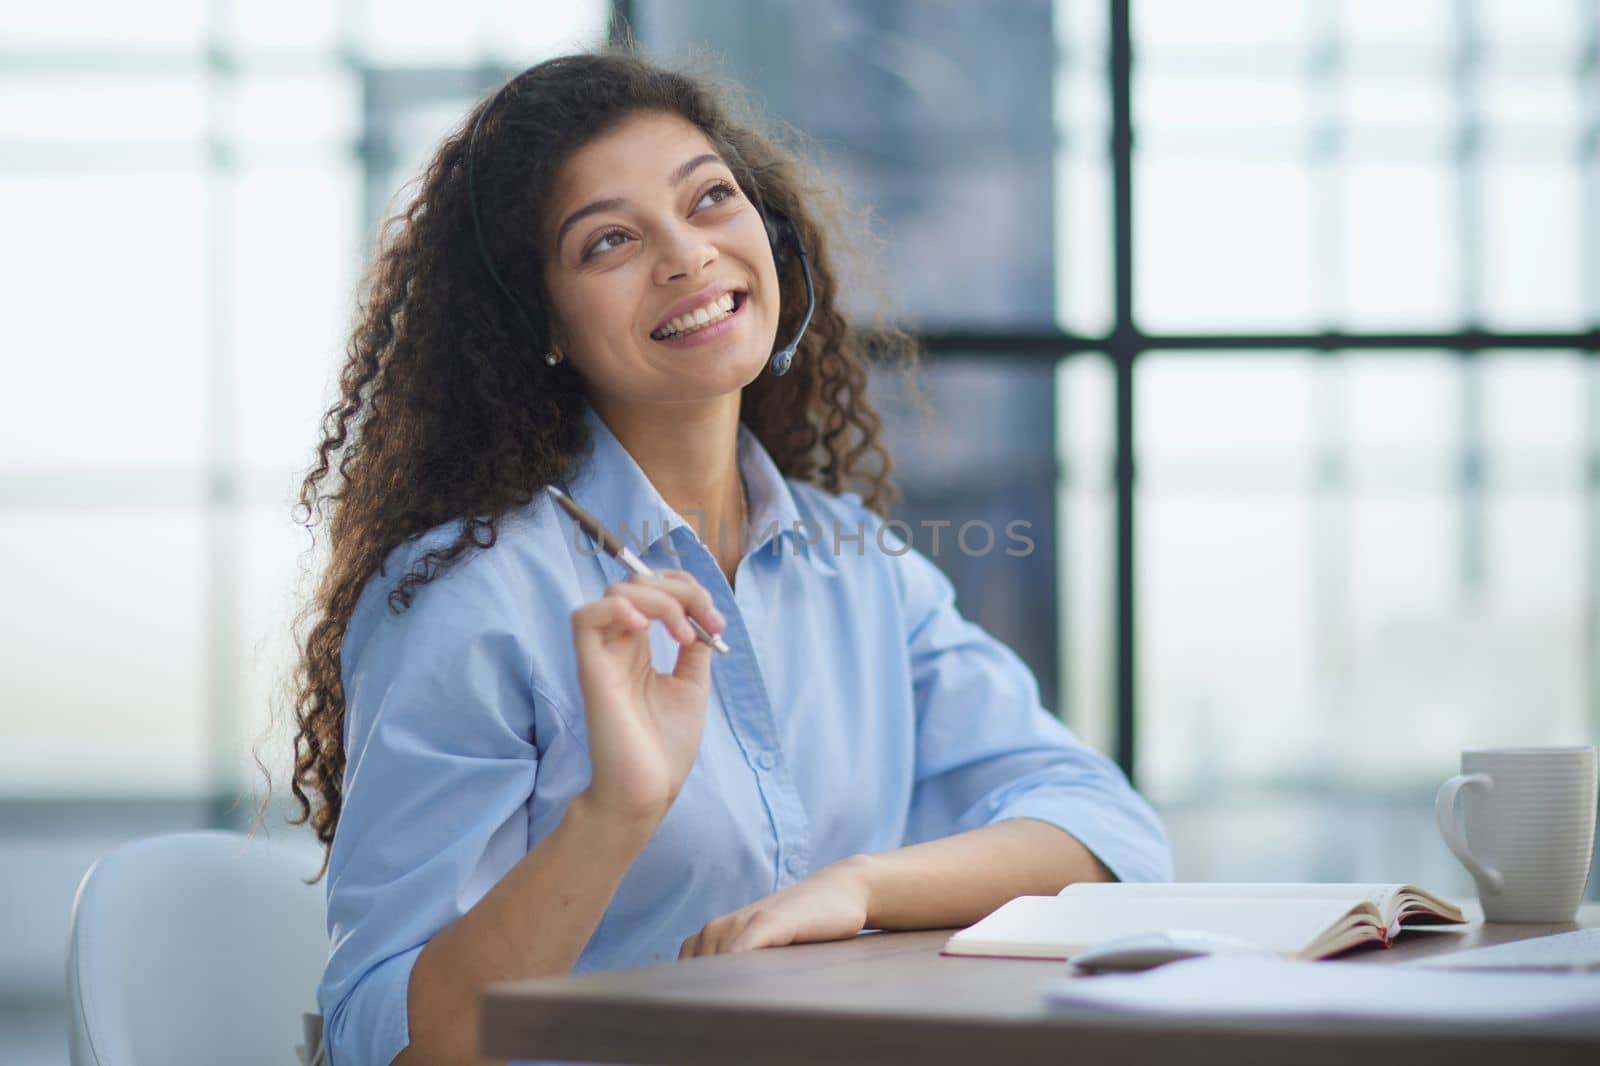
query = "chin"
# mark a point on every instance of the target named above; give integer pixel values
(713, 373)
(727, 380)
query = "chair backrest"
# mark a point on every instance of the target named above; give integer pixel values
(194, 948)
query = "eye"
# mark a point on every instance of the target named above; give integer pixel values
(720, 193)
(611, 238)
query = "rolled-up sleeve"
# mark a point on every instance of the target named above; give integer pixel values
(987, 750)
(441, 760)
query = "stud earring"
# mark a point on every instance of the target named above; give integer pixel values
(552, 357)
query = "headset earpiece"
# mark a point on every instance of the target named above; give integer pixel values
(781, 231)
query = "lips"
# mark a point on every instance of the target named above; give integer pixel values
(698, 321)
(706, 299)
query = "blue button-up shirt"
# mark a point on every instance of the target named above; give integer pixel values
(858, 712)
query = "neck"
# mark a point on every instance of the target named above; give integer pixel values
(690, 454)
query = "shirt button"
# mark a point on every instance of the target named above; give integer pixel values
(795, 865)
(766, 760)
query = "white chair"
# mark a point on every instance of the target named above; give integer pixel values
(194, 948)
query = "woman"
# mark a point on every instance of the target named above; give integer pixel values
(516, 772)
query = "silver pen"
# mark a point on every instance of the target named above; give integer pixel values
(622, 554)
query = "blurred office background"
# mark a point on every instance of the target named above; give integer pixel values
(1296, 386)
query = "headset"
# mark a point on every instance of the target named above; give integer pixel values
(781, 234)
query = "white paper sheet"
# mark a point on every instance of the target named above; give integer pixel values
(1269, 987)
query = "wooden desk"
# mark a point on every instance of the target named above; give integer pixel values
(891, 999)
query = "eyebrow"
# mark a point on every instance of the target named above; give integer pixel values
(677, 177)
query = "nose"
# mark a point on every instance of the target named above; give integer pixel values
(684, 251)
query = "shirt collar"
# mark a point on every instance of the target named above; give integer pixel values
(609, 484)
(773, 512)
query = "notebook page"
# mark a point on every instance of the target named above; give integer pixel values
(1060, 926)
(1351, 893)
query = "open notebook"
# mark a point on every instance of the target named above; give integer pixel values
(1303, 921)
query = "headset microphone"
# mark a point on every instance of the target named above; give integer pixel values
(783, 231)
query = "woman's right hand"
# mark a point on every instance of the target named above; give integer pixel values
(644, 726)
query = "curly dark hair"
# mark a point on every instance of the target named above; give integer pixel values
(447, 411)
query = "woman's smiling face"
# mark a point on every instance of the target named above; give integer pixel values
(659, 273)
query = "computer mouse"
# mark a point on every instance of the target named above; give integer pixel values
(1142, 951)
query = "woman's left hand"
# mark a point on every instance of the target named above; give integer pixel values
(831, 904)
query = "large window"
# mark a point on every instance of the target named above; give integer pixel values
(1364, 536)
(1274, 320)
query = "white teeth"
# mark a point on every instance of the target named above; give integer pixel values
(715, 311)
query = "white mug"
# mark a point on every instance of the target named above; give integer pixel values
(1529, 815)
